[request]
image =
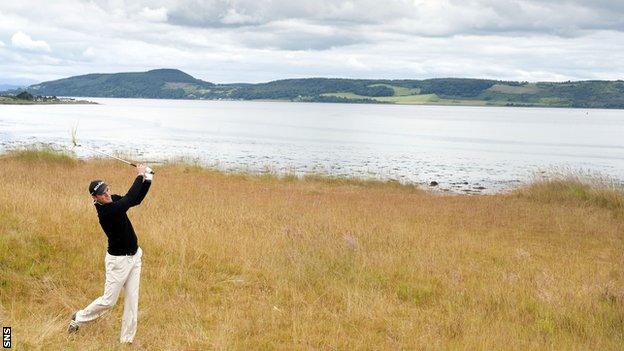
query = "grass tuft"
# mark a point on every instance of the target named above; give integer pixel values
(578, 190)
(42, 154)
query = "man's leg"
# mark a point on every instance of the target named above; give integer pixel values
(115, 277)
(131, 300)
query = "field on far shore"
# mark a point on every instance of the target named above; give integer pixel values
(245, 262)
(415, 99)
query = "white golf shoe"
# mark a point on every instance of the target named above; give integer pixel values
(73, 325)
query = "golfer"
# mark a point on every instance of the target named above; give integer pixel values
(123, 257)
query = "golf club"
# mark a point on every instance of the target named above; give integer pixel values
(75, 143)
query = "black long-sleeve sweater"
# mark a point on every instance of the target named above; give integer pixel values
(115, 222)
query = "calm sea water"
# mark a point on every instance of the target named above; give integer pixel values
(462, 148)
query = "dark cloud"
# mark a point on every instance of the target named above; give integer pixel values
(444, 17)
(217, 13)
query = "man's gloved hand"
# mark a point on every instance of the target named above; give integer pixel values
(140, 168)
(149, 174)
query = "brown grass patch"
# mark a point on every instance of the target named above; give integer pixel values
(236, 261)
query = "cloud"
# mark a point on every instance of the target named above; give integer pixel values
(88, 53)
(24, 41)
(419, 17)
(233, 17)
(218, 13)
(262, 23)
(262, 40)
(154, 15)
(300, 35)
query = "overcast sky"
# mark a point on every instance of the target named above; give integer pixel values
(261, 40)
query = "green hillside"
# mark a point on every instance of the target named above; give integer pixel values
(175, 84)
(159, 83)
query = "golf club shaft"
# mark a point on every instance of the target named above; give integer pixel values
(105, 154)
(116, 158)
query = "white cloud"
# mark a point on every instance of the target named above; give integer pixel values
(24, 41)
(89, 53)
(154, 15)
(262, 40)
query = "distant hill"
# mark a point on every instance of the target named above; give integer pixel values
(4, 87)
(158, 83)
(175, 84)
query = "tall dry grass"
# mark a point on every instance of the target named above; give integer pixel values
(255, 262)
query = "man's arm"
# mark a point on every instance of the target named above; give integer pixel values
(144, 188)
(128, 200)
(131, 197)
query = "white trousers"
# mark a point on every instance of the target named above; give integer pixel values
(121, 272)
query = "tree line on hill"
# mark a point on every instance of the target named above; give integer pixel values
(175, 84)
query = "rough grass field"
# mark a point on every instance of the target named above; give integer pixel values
(508, 89)
(418, 99)
(411, 99)
(399, 99)
(399, 91)
(241, 262)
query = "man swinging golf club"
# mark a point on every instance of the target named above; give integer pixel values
(123, 257)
